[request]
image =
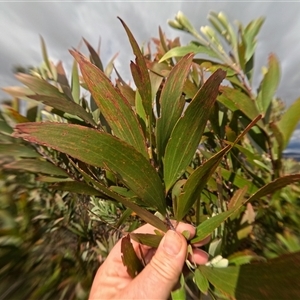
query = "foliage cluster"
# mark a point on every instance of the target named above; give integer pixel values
(194, 142)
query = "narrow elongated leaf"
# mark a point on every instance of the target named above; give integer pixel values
(289, 121)
(187, 132)
(20, 92)
(129, 257)
(66, 106)
(209, 225)
(45, 54)
(238, 180)
(151, 240)
(144, 214)
(36, 166)
(171, 102)
(126, 91)
(139, 108)
(102, 150)
(4, 126)
(113, 105)
(269, 84)
(236, 100)
(196, 182)
(51, 179)
(249, 37)
(140, 72)
(277, 148)
(275, 185)
(75, 85)
(94, 56)
(162, 40)
(201, 281)
(63, 81)
(40, 86)
(184, 50)
(110, 66)
(77, 187)
(224, 279)
(17, 151)
(179, 293)
(198, 179)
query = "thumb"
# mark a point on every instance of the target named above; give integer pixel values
(160, 276)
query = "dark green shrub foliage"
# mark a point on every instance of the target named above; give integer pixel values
(193, 142)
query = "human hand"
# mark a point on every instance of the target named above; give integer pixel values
(158, 278)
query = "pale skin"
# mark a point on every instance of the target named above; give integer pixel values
(158, 278)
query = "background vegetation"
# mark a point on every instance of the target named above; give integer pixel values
(181, 145)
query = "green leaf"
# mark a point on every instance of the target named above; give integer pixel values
(45, 54)
(139, 108)
(63, 81)
(151, 240)
(249, 37)
(40, 86)
(238, 180)
(187, 132)
(171, 102)
(101, 150)
(4, 127)
(201, 281)
(269, 84)
(224, 279)
(66, 106)
(237, 100)
(17, 151)
(278, 144)
(123, 218)
(129, 257)
(179, 293)
(124, 192)
(209, 225)
(162, 39)
(126, 91)
(77, 187)
(36, 166)
(196, 182)
(140, 73)
(75, 85)
(115, 108)
(244, 257)
(144, 214)
(51, 179)
(95, 59)
(198, 179)
(289, 121)
(275, 185)
(110, 66)
(184, 50)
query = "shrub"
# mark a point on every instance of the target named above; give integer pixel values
(180, 146)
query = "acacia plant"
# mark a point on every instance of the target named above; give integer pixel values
(194, 142)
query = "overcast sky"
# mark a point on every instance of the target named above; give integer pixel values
(62, 24)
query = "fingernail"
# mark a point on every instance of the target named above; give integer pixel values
(172, 243)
